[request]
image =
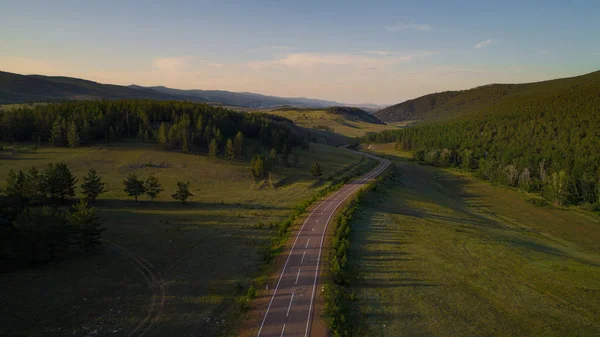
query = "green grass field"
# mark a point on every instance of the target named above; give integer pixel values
(438, 253)
(207, 252)
(344, 129)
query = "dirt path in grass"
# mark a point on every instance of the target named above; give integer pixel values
(154, 280)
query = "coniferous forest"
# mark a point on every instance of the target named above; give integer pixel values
(34, 224)
(179, 125)
(542, 144)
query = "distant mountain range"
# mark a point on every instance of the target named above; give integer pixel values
(15, 88)
(243, 99)
(452, 104)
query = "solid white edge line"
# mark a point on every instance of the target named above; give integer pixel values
(384, 165)
(288, 259)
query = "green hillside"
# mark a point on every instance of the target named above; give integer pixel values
(15, 88)
(493, 98)
(334, 125)
(542, 137)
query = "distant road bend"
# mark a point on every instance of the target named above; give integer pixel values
(290, 310)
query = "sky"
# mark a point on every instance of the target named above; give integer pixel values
(381, 52)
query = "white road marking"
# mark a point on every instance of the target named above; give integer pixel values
(283, 270)
(297, 276)
(307, 242)
(348, 188)
(303, 257)
(290, 306)
(313, 229)
(368, 177)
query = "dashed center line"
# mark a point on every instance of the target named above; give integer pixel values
(297, 276)
(304, 253)
(307, 242)
(289, 307)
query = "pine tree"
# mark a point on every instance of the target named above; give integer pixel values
(162, 136)
(133, 186)
(73, 135)
(15, 185)
(32, 187)
(315, 170)
(557, 186)
(43, 230)
(238, 143)
(183, 192)
(152, 187)
(273, 157)
(199, 130)
(92, 186)
(257, 164)
(58, 182)
(185, 133)
(57, 136)
(229, 149)
(86, 225)
(213, 149)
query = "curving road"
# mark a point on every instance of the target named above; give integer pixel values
(290, 310)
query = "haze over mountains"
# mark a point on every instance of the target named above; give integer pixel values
(16, 88)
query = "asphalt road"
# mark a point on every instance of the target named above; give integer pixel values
(291, 308)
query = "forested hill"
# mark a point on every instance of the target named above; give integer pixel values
(185, 126)
(349, 113)
(244, 99)
(542, 137)
(354, 114)
(15, 88)
(498, 98)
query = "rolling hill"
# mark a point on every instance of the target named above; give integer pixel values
(244, 99)
(451, 104)
(16, 88)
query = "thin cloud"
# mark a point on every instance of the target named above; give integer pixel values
(409, 26)
(309, 60)
(378, 52)
(483, 44)
(170, 63)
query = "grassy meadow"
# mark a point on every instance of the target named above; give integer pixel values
(344, 129)
(438, 253)
(206, 252)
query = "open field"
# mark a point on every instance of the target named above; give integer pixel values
(344, 129)
(440, 254)
(200, 257)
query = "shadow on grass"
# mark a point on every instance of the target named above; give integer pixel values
(179, 206)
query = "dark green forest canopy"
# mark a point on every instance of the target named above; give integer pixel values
(105, 120)
(552, 132)
(447, 105)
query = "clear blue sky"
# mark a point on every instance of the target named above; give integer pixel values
(350, 51)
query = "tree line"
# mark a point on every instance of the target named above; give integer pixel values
(33, 228)
(34, 225)
(550, 147)
(176, 125)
